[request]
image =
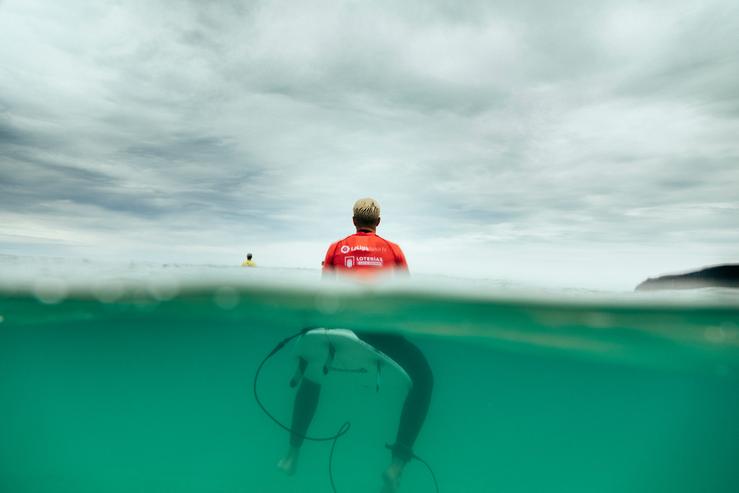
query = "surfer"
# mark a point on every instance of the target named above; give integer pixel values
(366, 254)
(248, 262)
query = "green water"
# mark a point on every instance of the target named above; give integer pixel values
(142, 393)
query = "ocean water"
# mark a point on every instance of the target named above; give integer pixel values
(138, 378)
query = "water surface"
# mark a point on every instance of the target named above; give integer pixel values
(138, 379)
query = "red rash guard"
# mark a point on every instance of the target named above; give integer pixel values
(364, 253)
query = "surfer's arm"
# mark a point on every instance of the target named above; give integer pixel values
(401, 265)
(327, 267)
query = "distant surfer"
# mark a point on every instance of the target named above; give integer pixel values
(366, 254)
(248, 262)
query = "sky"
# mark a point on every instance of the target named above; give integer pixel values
(590, 145)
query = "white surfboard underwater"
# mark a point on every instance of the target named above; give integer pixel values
(329, 353)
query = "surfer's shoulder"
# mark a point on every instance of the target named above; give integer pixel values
(393, 245)
(345, 239)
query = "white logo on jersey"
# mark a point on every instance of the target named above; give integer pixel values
(344, 249)
(349, 262)
(373, 261)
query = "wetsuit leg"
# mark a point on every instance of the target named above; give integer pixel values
(416, 405)
(304, 408)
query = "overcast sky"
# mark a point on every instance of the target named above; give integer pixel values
(579, 143)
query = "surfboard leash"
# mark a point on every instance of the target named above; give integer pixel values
(332, 438)
(414, 456)
(343, 429)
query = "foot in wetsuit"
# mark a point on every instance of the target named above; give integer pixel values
(412, 417)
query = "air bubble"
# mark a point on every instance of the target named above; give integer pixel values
(50, 291)
(109, 292)
(164, 289)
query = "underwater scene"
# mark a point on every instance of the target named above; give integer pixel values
(141, 378)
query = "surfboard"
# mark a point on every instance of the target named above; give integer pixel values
(325, 353)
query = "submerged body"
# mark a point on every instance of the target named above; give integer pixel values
(112, 389)
(365, 255)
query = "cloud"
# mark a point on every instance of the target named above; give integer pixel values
(514, 124)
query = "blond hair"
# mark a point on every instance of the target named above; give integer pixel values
(366, 210)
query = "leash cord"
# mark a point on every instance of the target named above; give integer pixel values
(332, 438)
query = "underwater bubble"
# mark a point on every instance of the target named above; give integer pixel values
(164, 289)
(142, 299)
(108, 292)
(50, 290)
(226, 298)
